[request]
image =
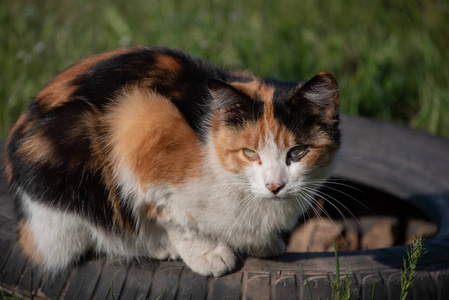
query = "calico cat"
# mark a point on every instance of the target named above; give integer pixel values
(149, 152)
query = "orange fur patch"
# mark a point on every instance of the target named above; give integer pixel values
(166, 70)
(255, 89)
(8, 169)
(230, 142)
(37, 149)
(59, 90)
(27, 244)
(322, 150)
(153, 212)
(167, 63)
(319, 157)
(153, 138)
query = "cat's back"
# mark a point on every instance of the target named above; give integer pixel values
(98, 79)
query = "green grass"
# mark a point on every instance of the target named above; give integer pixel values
(408, 273)
(342, 290)
(391, 60)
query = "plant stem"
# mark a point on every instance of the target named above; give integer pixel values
(408, 274)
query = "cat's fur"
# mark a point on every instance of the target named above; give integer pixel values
(140, 152)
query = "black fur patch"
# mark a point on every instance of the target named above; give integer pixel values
(297, 113)
(100, 83)
(235, 107)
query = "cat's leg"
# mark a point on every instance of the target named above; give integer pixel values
(50, 238)
(151, 241)
(203, 256)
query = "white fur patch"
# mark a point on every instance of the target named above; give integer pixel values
(60, 238)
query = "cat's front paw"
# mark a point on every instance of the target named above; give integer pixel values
(217, 262)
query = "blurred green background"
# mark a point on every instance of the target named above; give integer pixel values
(391, 58)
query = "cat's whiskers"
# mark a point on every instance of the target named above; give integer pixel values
(312, 203)
(321, 194)
(344, 193)
(335, 181)
(319, 183)
(303, 203)
(324, 195)
(323, 210)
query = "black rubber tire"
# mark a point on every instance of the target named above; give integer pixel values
(408, 164)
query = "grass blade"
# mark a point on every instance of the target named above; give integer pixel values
(112, 283)
(307, 283)
(414, 253)
(337, 262)
(336, 285)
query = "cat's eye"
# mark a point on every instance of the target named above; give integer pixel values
(251, 154)
(296, 153)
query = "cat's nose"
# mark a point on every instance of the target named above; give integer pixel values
(275, 187)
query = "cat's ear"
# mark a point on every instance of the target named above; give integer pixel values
(319, 96)
(234, 106)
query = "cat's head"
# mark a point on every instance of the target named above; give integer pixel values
(279, 138)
